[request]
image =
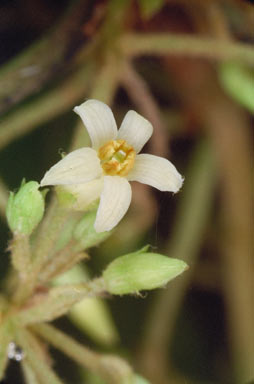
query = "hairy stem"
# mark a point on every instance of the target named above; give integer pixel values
(33, 355)
(58, 301)
(29, 374)
(21, 255)
(112, 369)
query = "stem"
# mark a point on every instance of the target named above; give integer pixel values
(59, 301)
(21, 259)
(49, 233)
(31, 69)
(29, 374)
(44, 248)
(21, 255)
(3, 198)
(34, 356)
(230, 131)
(168, 44)
(114, 370)
(67, 345)
(45, 107)
(6, 336)
(63, 260)
(140, 94)
(185, 243)
(104, 88)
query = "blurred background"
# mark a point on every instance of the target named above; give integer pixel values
(187, 66)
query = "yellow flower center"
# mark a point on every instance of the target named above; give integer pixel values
(117, 157)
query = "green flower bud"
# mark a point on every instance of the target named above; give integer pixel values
(25, 208)
(85, 234)
(141, 271)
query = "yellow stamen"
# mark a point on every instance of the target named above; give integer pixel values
(117, 157)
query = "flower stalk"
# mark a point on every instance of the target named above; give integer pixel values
(111, 368)
(35, 357)
(58, 301)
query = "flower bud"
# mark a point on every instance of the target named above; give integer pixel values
(141, 271)
(85, 234)
(25, 208)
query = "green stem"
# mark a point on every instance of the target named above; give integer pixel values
(45, 107)
(28, 372)
(31, 69)
(104, 87)
(58, 301)
(168, 44)
(21, 255)
(185, 243)
(112, 369)
(44, 248)
(35, 359)
(49, 233)
(6, 336)
(62, 261)
(3, 198)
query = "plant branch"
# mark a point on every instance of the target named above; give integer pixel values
(3, 198)
(6, 336)
(197, 46)
(28, 372)
(30, 70)
(140, 94)
(45, 107)
(113, 369)
(104, 87)
(21, 255)
(34, 358)
(58, 301)
(185, 243)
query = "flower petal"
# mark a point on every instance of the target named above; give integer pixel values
(115, 201)
(157, 172)
(85, 194)
(77, 167)
(136, 130)
(99, 121)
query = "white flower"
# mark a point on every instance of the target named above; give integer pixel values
(105, 169)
